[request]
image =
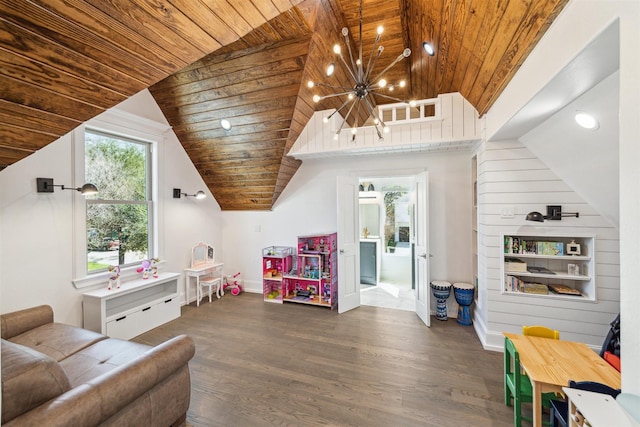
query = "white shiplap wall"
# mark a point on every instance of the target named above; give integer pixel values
(510, 176)
(456, 129)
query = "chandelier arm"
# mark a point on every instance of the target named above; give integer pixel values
(344, 119)
(348, 69)
(357, 115)
(322, 98)
(338, 109)
(373, 114)
(398, 59)
(390, 97)
(371, 67)
(347, 43)
(370, 107)
(346, 89)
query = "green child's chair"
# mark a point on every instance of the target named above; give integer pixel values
(517, 386)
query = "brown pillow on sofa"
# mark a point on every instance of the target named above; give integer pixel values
(29, 378)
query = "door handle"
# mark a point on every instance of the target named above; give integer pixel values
(423, 256)
(341, 251)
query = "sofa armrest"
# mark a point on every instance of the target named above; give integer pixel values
(22, 321)
(92, 403)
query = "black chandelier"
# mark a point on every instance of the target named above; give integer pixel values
(365, 84)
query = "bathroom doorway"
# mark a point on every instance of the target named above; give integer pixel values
(386, 245)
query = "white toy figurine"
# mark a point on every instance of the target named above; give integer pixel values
(154, 266)
(145, 269)
(114, 278)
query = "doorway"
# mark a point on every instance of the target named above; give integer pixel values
(386, 244)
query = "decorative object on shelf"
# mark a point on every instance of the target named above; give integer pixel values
(154, 266)
(365, 83)
(371, 187)
(365, 232)
(145, 269)
(573, 248)
(441, 291)
(114, 277)
(198, 195)
(45, 185)
(554, 212)
(573, 269)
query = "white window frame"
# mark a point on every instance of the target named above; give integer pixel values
(126, 125)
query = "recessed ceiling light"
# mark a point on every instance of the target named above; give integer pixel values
(330, 69)
(428, 48)
(586, 120)
(226, 124)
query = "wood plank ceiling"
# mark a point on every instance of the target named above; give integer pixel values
(64, 62)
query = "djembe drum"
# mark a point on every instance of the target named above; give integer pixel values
(441, 291)
(463, 293)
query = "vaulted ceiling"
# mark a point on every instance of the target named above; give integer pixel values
(64, 62)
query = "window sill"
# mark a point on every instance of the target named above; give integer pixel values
(126, 274)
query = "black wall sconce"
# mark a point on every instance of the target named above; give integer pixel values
(45, 185)
(554, 212)
(199, 194)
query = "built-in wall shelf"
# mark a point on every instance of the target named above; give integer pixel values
(549, 266)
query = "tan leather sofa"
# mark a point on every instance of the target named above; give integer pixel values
(61, 375)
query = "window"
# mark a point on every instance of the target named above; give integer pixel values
(119, 217)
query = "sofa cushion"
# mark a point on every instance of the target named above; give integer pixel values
(29, 378)
(58, 340)
(100, 358)
(21, 321)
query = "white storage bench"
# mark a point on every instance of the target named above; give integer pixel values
(138, 306)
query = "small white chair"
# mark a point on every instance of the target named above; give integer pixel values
(201, 255)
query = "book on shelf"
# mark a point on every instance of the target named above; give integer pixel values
(539, 270)
(507, 244)
(512, 245)
(515, 264)
(563, 290)
(529, 247)
(550, 248)
(512, 284)
(535, 288)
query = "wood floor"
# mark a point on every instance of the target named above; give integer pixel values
(261, 364)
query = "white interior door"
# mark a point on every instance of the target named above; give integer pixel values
(348, 242)
(421, 253)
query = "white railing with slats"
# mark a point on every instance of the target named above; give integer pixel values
(401, 112)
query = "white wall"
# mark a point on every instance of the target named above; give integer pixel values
(308, 205)
(575, 27)
(36, 230)
(510, 176)
(574, 153)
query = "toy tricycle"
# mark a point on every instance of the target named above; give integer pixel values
(234, 283)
